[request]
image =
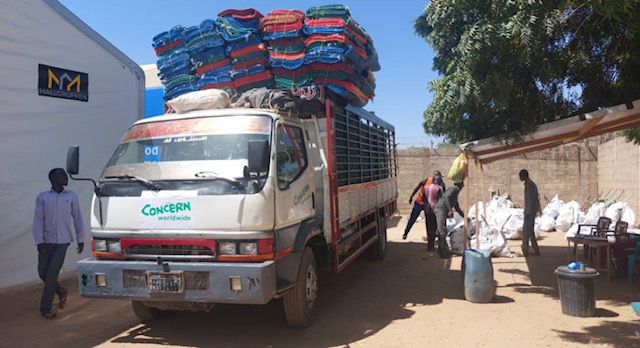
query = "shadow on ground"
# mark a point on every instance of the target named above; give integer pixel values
(543, 280)
(353, 305)
(611, 333)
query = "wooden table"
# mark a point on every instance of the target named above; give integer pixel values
(598, 245)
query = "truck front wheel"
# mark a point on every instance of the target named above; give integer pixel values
(299, 302)
(143, 311)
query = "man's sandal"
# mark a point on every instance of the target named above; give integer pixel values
(49, 315)
(63, 301)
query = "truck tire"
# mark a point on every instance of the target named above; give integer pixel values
(299, 302)
(144, 312)
(378, 250)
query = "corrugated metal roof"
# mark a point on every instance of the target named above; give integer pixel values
(559, 132)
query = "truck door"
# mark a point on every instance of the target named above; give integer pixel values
(295, 187)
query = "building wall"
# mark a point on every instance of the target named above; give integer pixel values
(618, 171)
(569, 171)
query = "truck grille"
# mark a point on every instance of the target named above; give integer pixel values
(170, 252)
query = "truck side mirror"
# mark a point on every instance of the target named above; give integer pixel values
(258, 156)
(73, 159)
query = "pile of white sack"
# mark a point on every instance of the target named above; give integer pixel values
(500, 222)
(616, 212)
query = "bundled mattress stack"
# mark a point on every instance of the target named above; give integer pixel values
(339, 53)
(207, 49)
(247, 52)
(282, 30)
(174, 63)
(242, 49)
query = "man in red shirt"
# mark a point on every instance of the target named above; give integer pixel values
(418, 205)
(432, 194)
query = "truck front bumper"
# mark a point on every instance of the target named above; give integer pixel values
(203, 281)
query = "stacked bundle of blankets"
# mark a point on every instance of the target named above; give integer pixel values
(282, 30)
(339, 53)
(246, 50)
(174, 63)
(207, 49)
(242, 50)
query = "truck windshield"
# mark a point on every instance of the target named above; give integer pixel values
(183, 149)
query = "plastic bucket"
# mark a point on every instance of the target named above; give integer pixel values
(479, 286)
(577, 293)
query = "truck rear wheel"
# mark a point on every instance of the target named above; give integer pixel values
(299, 302)
(143, 311)
(378, 250)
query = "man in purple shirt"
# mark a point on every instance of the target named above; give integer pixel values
(52, 235)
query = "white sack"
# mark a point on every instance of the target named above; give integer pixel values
(492, 241)
(472, 211)
(546, 223)
(568, 215)
(596, 210)
(513, 228)
(553, 208)
(201, 100)
(498, 203)
(629, 216)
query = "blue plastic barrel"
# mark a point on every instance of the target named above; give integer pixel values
(479, 286)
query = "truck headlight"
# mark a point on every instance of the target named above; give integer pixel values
(113, 246)
(248, 248)
(99, 245)
(227, 248)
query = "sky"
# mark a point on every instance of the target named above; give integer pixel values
(406, 59)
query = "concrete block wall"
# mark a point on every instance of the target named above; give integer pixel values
(569, 171)
(618, 170)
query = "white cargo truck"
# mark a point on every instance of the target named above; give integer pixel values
(239, 206)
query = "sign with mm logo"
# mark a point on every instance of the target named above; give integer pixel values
(62, 83)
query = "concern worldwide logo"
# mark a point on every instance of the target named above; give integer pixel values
(180, 211)
(62, 83)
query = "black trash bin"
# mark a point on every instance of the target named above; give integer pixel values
(577, 294)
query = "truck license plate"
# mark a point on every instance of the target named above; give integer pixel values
(165, 282)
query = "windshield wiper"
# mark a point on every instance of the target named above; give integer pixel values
(215, 176)
(145, 182)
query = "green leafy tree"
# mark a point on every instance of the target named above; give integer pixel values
(507, 66)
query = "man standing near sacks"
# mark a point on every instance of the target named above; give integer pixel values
(531, 208)
(444, 209)
(52, 235)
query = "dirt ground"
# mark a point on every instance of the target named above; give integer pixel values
(411, 299)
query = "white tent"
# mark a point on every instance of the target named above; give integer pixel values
(62, 84)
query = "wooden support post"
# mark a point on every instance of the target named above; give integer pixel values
(466, 208)
(484, 201)
(478, 216)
